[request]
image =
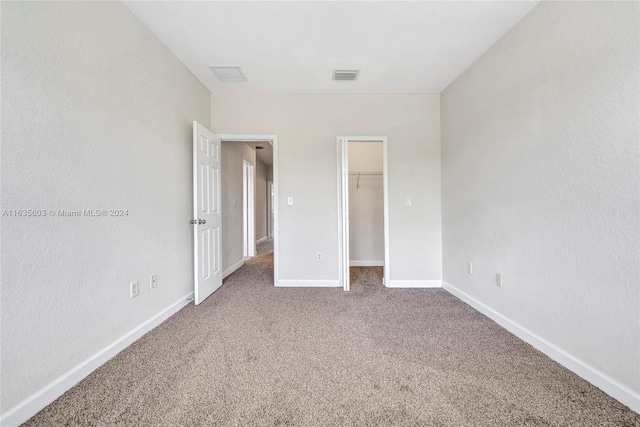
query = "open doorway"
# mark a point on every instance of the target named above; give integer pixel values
(249, 175)
(366, 214)
(363, 211)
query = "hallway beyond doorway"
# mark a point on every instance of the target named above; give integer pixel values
(264, 247)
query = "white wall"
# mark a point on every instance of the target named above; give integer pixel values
(261, 200)
(366, 204)
(96, 114)
(307, 127)
(540, 183)
(233, 156)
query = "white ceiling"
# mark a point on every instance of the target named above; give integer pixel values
(293, 46)
(266, 154)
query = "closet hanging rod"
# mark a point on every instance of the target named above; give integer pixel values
(363, 173)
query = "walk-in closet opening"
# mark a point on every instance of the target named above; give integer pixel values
(362, 166)
(366, 214)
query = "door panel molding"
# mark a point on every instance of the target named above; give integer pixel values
(207, 217)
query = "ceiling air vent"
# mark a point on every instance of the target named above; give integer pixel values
(226, 73)
(345, 75)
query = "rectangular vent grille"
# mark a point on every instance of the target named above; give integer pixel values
(345, 75)
(228, 73)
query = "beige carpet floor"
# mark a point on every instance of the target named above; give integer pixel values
(368, 277)
(256, 355)
(264, 247)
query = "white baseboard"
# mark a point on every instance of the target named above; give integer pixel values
(233, 268)
(367, 263)
(261, 240)
(414, 284)
(594, 376)
(308, 283)
(43, 397)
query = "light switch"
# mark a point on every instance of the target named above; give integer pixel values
(408, 202)
(290, 201)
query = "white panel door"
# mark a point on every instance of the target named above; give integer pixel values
(207, 214)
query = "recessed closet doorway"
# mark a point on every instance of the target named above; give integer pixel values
(363, 225)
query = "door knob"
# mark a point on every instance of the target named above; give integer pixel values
(193, 221)
(202, 221)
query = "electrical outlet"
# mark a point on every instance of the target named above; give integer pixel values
(469, 268)
(153, 281)
(319, 257)
(499, 280)
(135, 289)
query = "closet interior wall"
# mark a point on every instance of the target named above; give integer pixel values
(366, 205)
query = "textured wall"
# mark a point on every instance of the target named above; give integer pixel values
(307, 127)
(96, 113)
(233, 155)
(261, 200)
(540, 181)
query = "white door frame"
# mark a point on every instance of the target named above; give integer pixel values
(342, 143)
(248, 210)
(273, 140)
(269, 209)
